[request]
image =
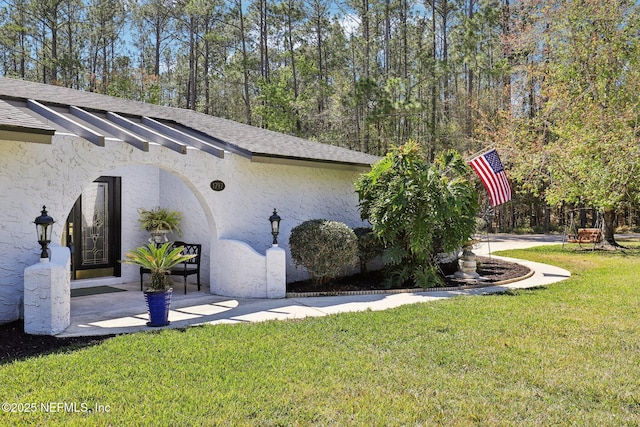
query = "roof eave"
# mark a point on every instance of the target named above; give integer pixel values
(24, 134)
(307, 162)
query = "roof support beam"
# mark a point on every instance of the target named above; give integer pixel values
(227, 146)
(67, 123)
(150, 134)
(198, 143)
(113, 129)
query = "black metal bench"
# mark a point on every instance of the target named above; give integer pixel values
(185, 269)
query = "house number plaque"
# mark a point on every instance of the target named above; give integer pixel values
(217, 185)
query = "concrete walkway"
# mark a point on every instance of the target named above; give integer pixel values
(125, 312)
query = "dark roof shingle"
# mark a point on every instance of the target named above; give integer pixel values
(12, 118)
(245, 138)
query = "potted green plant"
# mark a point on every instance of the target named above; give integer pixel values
(158, 261)
(159, 222)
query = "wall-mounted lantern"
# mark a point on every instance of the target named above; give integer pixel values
(44, 225)
(275, 226)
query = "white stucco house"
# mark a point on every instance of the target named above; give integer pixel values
(93, 160)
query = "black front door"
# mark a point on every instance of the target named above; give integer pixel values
(93, 230)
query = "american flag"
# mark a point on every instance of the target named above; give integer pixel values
(491, 172)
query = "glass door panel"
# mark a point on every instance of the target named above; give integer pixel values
(95, 225)
(93, 230)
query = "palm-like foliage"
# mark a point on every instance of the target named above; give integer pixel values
(159, 218)
(158, 260)
(418, 209)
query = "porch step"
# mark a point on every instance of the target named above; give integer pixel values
(98, 281)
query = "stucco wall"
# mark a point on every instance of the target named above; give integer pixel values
(176, 195)
(35, 174)
(140, 188)
(298, 193)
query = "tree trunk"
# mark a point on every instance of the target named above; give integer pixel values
(434, 83)
(205, 72)
(470, 83)
(191, 85)
(54, 50)
(547, 218)
(506, 34)
(156, 51)
(264, 42)
(583, 216)
(245, 65)
(365, 35)
(105, 68)
(357, 110)
(387, 37)
(608, 228)
(445, 60)
(321, 70)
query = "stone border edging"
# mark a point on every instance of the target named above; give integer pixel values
(409, 290)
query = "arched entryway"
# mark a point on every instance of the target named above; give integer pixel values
(102, 224)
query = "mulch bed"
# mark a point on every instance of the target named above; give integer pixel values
(492, 269)
(16, 345)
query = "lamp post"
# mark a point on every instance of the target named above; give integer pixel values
(275, 226)
(44, 226)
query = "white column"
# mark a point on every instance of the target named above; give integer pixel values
(47, 294)
(276, 272)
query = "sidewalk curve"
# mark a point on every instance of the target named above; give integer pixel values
(125, 314)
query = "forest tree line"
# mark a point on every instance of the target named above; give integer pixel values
(552, 84)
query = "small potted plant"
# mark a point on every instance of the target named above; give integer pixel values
(158, 261)
(159, 222)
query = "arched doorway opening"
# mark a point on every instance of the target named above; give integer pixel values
(102, 222)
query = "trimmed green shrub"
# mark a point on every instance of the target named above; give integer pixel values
(369, 246)
(325, 248)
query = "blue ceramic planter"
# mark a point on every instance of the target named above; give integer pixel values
(158, 303)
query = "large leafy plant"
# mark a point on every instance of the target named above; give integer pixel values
(418, 209)
(369, 246)
(158, 260)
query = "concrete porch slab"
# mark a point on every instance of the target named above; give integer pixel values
(125, 312)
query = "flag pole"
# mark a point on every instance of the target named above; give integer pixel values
(490, 170)
(489, 226)
(477, 153)
(468, 159)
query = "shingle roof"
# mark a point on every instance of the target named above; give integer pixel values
(244, 138)
(12, 118)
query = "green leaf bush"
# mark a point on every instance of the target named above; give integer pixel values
(419, 210)
(369, 246)
(325, 248)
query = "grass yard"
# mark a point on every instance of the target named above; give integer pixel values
(567, 354)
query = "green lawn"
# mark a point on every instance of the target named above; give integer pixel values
(567, 354)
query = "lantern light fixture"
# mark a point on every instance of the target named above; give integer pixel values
(44, 225)
(275, 226)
